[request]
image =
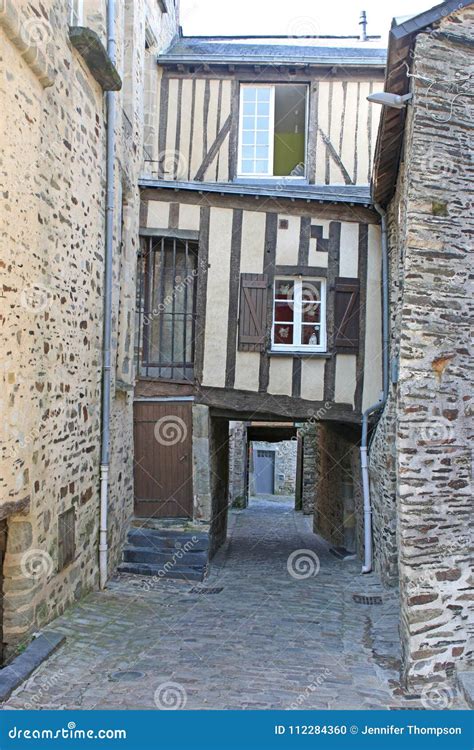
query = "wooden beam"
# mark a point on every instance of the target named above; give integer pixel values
(246, 405)
(287, 206)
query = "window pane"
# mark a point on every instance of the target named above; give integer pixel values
(262, 167)
(311, 291)
(248, 167)
(263, 94)
(249, 123)
(263, 108)
(262, 138)
(283, 334)
(248, 108)
(290, 129)
(284, 289)
(247, 152)
(262, 123)
(310, 335)
(283, 312)
(311, 312)
(248, 137)
(250, 94)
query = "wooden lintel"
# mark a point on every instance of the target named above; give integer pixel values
(12, 507)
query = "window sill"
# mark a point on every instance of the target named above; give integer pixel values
(299, 353)
(270, 180)
(96, 57)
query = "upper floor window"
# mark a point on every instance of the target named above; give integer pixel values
(299, 315)
(272, 132)
(77, 12)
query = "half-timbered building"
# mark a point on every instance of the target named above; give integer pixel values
(259, 285)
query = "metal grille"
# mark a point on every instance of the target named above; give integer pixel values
(362, 599)
(66, 538)
(166, 308)
(197, 590)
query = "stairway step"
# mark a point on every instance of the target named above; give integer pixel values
(142, 569)
(168, 540)
(132, 553)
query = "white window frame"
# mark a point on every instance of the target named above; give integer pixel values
(269, 174)
(76, 17)
(297, 346)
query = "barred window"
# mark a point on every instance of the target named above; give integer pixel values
(167, 308)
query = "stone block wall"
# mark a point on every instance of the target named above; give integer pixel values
(238, 460)
(433, 398)
(52, 259)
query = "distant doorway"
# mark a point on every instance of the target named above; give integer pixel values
(264, 472)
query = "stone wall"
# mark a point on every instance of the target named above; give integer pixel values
(432, 403)
(219, 463)
(52, 259)
(310, 460)
(238, 459)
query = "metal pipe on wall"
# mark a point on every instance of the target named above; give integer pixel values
(107, 329)
(368, 546)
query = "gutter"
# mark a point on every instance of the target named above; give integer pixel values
(368, 548)
(107, 330)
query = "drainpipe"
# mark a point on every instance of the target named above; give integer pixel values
(368, 562)
(107, 330)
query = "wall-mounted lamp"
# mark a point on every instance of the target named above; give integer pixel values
(390, 100)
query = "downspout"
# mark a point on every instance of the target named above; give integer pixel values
(368, 555)
(107, 330)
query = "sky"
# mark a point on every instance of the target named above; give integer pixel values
(293, 17)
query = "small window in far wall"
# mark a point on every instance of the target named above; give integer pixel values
(272, 132)
(77, 13)
(299, 315)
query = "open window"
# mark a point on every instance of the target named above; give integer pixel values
(272, 132)
(299, 315)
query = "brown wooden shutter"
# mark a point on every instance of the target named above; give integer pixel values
(253, 312)
(347, 315)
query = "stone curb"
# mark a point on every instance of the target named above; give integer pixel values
(25, 664)
(465, 682)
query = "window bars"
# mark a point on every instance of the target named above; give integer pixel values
(166, 307)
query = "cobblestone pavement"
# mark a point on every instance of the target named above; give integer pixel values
(270, 638)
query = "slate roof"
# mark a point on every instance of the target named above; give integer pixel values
(294, 51)
(356, 194)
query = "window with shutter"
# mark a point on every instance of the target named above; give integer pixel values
(253, 312)
(347, 315)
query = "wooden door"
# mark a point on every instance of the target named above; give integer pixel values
(163, 460)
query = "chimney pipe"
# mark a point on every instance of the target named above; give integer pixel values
(363, 25)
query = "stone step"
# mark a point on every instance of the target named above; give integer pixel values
(143, 569)
(171, 525)
(133, 553)
(168, 539)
